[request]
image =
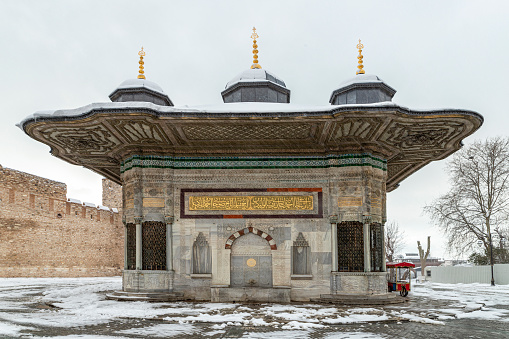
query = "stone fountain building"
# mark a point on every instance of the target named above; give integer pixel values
(255, 199)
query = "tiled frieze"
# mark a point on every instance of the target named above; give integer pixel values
(269, 162)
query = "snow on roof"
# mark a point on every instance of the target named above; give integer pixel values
(114, 210)
(104, 208)
(255, 75)
(229, 108)
(137, 83)
(361, 78)
(88, 204)
(76, 201)
(235, 107)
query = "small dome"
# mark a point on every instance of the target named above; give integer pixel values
(138, 83)
(362, 89)
(140, 90)
(256, 85)
(253, 75)
(360, 79)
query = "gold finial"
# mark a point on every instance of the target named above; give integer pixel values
(141, 54)
(360, 57)
(255, 36)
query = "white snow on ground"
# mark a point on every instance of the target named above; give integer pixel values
(162, 330)
(26, 303)
(11, 329)
(473, 300)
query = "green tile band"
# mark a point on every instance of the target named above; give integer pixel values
(345, 160)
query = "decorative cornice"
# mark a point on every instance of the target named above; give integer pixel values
(99, 136)
(175, 112)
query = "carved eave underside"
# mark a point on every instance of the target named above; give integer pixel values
(101, 138)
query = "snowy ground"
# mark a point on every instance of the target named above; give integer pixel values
(77, 308)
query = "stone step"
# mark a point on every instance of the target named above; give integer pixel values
(373, 299)
(147, 296)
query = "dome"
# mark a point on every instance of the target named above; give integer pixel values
(140, 90)
(362, 89)
(138, 83)
(361, 79)
(256, 85)
(253, 75)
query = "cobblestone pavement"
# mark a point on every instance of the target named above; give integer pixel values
(34, 312)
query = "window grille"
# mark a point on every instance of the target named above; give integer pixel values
(131, 246)
(375, 237)
(350, 246)
(154, 245)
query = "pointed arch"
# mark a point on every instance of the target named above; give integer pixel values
(238, 234)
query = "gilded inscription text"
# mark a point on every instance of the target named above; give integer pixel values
(248, 203)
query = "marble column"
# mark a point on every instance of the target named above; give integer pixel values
(138, 221)
(382, 231)
(125, 242)
(333, 219)
(366, 220)
(169, 242)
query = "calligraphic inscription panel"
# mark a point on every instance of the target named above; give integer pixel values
(251, 203)
(235, 203)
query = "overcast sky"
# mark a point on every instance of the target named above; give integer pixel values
(436, 54)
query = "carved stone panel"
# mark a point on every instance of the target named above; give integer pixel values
(202, 260)
(301, 256)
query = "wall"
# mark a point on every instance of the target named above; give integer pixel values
(42, 234)
(467, 275)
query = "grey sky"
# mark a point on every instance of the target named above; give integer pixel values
(436, 54)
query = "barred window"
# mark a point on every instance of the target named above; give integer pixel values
(154, 245)
(350, 246)
(376, 243)
(131, 247)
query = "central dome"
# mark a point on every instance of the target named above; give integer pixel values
(253, 75)
(256, 85)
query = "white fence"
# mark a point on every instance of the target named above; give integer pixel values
(474, 274)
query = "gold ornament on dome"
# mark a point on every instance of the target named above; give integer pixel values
(360, 57)
(141, 73)
(255, 64)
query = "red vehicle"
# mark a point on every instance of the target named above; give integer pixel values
(399, 277)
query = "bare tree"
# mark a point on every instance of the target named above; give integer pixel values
(423, 256)
(394, 240)
(477, 204)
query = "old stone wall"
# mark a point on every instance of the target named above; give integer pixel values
(42, 234)
(112, 194)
